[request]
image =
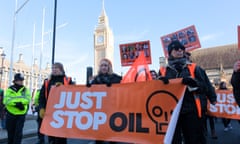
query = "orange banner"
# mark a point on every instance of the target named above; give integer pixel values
(226, 105)
(132, 112)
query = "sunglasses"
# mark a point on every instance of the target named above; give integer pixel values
(177, 48)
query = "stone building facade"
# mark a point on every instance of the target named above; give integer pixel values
(217, 61)
(33, 75)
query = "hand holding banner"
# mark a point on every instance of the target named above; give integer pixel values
(133, 112)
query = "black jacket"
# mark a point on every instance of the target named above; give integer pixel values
(106, 79)
(52, 82)
(235, 81)
(206, 89)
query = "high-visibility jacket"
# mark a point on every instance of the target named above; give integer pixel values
(66, 81)
(23, 95)
(36, 98)
(191, 68)
(46, 87)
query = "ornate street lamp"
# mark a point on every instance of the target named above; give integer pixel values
(3, 55)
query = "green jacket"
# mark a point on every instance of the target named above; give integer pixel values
(23, 95)
(36, 98)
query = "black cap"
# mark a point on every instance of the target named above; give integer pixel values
(175, 45)
(18, 77)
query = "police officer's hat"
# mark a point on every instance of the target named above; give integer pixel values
(18, 77)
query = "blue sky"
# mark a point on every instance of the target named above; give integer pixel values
(131, 21)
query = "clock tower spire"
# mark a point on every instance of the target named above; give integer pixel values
(103, 40)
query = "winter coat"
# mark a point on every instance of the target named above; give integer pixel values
(2, 107)
(53, 81)
(106, 79)
(17, 94)
(206, 90)
(235, 81)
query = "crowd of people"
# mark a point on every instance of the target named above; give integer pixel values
(191, 125)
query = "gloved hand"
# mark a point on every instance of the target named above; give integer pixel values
(41, 113)
(88, 85)
(19, 105)
(190, 82)
(58, 84)
(109, 84)
(164, 79)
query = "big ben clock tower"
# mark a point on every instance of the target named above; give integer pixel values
(103, 40)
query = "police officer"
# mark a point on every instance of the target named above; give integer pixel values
(17, 98)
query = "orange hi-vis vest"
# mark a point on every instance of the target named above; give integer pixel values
(191, 68)
(66, 81)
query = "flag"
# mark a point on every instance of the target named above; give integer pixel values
(139, 71)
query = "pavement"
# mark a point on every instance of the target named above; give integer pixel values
(29, 129)
(30, 133)
(231, 136)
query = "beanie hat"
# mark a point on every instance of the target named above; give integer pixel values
(174, 45)
(18, 77)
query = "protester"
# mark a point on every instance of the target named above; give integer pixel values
(226, 122)
(16, 99)
(105, 76)
(235, 81)
(212, 126)
(191, 121)
(2, 111)
(39, 119)
(57, 78)
(154, 74)
(208, 118)
(211, 120)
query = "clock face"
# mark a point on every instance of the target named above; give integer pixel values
(100, 39)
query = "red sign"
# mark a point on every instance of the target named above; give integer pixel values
(187, 36)
(129, 52)
(239, 37)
